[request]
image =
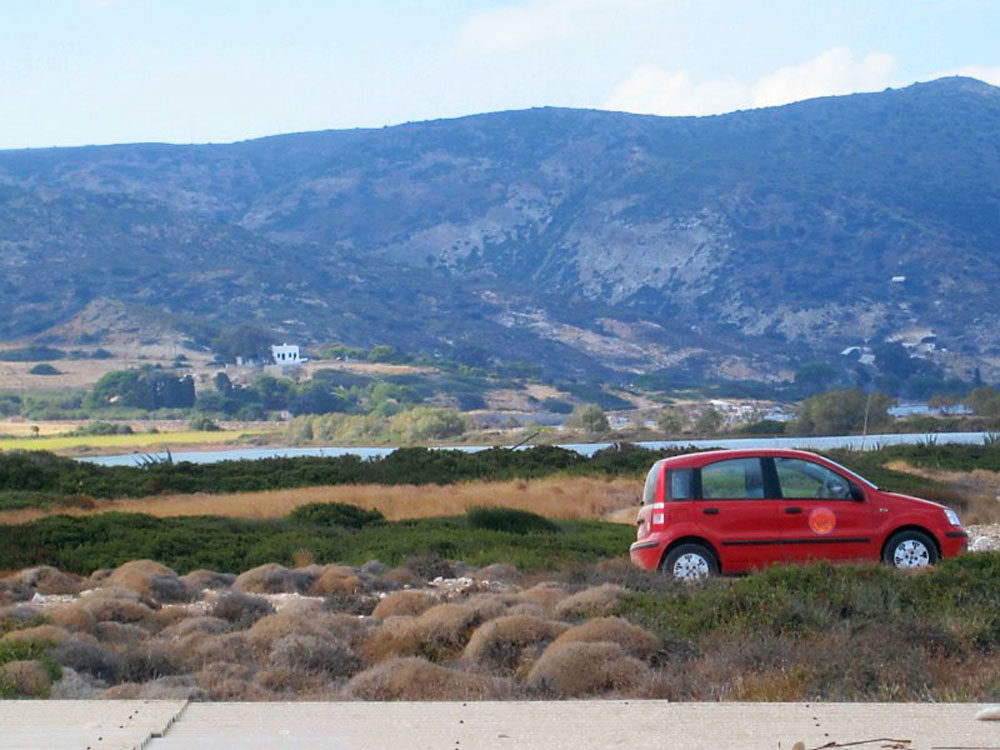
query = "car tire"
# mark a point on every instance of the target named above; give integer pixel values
(689, 562)
(909, 550)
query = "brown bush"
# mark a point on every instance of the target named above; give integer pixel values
(579, 668)
(490, 606)
(223, 682)
(500, 573)
(183, 628)
(119, 633)
(151, 580)
(265, 632)
(165, 688)
(201, 579)
(150, 661)
(509, 643)
(200, 650)
(634, 640)
(591, 602)
(91, 658)
(73, 617)
(310, 655)
(48, 580)
(40, 633)
(448, 625)
(401, 576)
(26, 678)
(414, 679)
(288, 682)
(165, 617)
(72, 686)
(335, 581)
(404, 603)
(544, 596)
(240, 610)
(115, 608)
(273, 579)
(395, 636)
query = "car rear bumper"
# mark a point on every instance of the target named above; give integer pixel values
(646, 553)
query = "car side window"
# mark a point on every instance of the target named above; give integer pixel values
(805, 479)
(680, 484)
(732, 479)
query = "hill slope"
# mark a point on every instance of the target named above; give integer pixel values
(738, 246)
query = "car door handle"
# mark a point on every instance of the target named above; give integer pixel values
(710, 511)
(793, 509)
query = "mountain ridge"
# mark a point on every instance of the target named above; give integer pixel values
(587, 240)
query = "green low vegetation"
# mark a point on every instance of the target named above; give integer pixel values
(82, 545)
(819, 631)
(27, 474)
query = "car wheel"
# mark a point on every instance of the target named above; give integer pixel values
(690, 562)
(909, 550)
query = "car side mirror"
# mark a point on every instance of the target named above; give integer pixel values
(857, 494)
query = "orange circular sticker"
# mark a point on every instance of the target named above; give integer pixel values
(822, 521)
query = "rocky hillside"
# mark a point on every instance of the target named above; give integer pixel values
(735, 246)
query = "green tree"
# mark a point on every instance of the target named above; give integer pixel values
(708, 422)
(984, 401)
(247, 342)
(589, 418)
(670, 421)
(843, 412)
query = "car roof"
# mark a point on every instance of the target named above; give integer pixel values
(701, 458)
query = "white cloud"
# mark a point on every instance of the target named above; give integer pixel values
(652, 90)
(518, 26)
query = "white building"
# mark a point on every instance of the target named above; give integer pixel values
(286, 354)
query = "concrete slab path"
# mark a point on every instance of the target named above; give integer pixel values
(563, 725)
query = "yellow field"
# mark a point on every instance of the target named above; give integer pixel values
(138, 440)
(565, 498)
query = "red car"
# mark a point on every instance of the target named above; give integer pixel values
(736, 510)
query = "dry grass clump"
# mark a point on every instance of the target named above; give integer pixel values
(272, 578)
(120, 633)
(47, 580)
(206, 625)
(508, 644)
(415, 679)
(267, 631)
(86, 656)
(240, 610)
(39, 633)
(404, 603)
(200, 650)
(72, 686)
(490, 606)
(542, 597)
(592, 602)
(437, 632)
(579, 668)
(115, 609)
(335, 580)
(73, 617)
(202, 579)
(634, 640)
(165, 688)
(25, 677)
(151, 580)
(311, 655)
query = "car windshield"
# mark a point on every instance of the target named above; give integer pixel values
(854, 475)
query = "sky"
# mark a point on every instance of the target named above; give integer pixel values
(76, 72)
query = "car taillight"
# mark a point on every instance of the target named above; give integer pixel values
(658, 518)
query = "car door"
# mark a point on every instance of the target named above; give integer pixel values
(734, 514)
(822, 516)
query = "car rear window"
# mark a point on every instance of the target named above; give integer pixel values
(649, 489)
(733, 479)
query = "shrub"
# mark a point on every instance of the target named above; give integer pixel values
(416, 679)
(27, 678)
(334, 514)
(152, 580)
(309, 654)
(635, 641)
(510, 520)
(404, 603)
(272, 578)
(579, 668)
(96, 660)
(501, 644)
(203, 423)
(48, 580)
(599, 600)
(44, 369)
(241, 610)
(335, 581)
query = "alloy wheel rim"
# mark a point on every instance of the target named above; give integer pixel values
(690, 567)
(911, 554)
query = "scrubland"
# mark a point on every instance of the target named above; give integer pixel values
(447, 631)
